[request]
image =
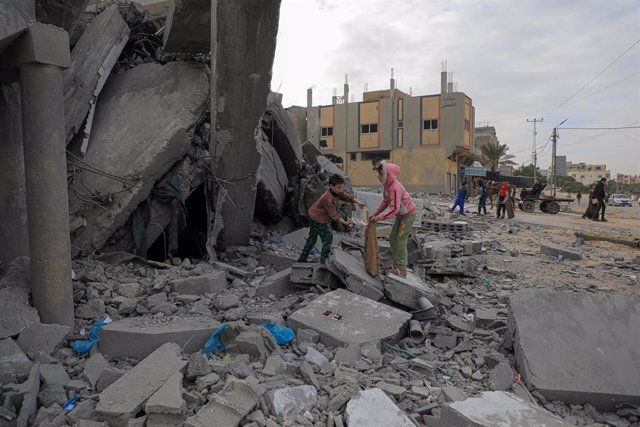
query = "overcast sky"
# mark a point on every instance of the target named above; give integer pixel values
(516, 59)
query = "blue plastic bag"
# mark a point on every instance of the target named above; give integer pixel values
(71, 403)
(214, 343)
(93, 337)
(282, 334)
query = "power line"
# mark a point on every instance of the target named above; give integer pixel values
(597, 75)
(607, 87)
(613, 128)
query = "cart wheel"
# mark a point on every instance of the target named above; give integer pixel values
(543, 206)
(528, 206)
(553, 208)
(520, 206)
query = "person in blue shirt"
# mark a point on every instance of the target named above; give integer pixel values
(462, 195)
(482, 203)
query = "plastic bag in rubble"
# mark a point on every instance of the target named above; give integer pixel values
(214, 343)
(282, 334)
(371, 251)
(85, 346)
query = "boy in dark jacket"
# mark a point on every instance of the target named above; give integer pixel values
(321, 213)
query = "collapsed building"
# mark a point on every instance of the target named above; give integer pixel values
(155, 287)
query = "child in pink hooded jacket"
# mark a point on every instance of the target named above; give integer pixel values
(396, 202)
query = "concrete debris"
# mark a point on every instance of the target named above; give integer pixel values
(167, 407)
(351, 271)
(315, 357)
(188, 27)
(94, 368)
(307, 335)
(485, 317)
(272, 182)
(42, 337)
(311, 274)
(496, 409)
(13, 360)
(291, 401)
(373, 407)
(52, 395)
(277, 261)
(53, 374)
(200, 285)
(92, 309)
(18, 275)
(277, 124)
(278, 284)
(361, 319)
(560, 253)
(15, 312)
(407, 291)
(122, 400)
(501, 377)
(29, 390)
(149, 333)
(577, 324)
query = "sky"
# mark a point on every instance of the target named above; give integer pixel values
(516, 59)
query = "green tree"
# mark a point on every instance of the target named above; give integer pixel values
(495, 154)
(529, 171)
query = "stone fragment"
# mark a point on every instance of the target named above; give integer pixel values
(94, 368)
(82, 411)
(167, 407)
(496, 408)
(42, 337)
(453, 394)
(258, 343)
(129, 290)
(51, 374)
(308, 374)
(108, 377)
(91, 310)
(407, 290)
(227, 408)
(315, 357)
(394, 390)
(352, 273)
(276, 260)
(363, 320)
(312, 274)
(13, 360)
(422, 366)
(15, 311)
(278, 284)
(30, 390)
(199, 285)
(125, 397)
(207, 381)
(291, 401)
(445, 341)
(149, 333)
(198, 365)
(456, 323)
(234, 314)
(501, 377)
(226, 301)
(485, 317)
(51, 395)
(308, 336)
(239, 369)
(18, 275)
(558, 252)
(373, 404)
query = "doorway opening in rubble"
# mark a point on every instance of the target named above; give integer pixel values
(192, 239)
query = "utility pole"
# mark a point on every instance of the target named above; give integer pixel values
(554, 140)
(534, 153)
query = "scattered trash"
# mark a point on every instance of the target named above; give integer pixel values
(283, 335)
(71, 403)
(214, 343)
(85, 346)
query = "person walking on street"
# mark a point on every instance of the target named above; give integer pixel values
(482, 202)
(491, 189)
(460, 198)
(588, 213)
(396, 202)
(579, 197)
(600, 194)
(503, 195)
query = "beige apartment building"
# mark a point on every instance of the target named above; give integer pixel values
(628, 179)
(587, 174)
(429, 136)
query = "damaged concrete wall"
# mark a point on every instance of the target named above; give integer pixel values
(283, 135)
(61, 13)
(244, 38)
(127, 157)
(14, 19)
(272, 182)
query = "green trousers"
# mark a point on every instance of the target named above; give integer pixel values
(315, 230)
(399, 238)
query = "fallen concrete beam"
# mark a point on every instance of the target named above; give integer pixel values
(122, 400)
(496, 408)
(150, 333)
(272, 182)
(374, 404)
(362, 321)
(244, 33)
(278, 284)
(167, 101)
(188, 27)
(635, 243)
(62, 14)
(558, 252)
(407, 290)
(92, 59)
(282, 134)
(351, 271)
(167, 407)
(559, 326)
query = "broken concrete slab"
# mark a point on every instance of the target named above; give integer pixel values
(485, 317)
(453, 394)
(199, 285)
(150, 333)
(277, 124)
(166, 406)
(53, 374)
(16, 313)
(272, 182)
(497, 409)
(407, 291)
(188, 27)
(42, 337)
(94, 368)
(351, 271)
(122, 400)
(92, 59)
(29, 390)
(363, 320)
(501, 377)
(313, 274)
(558, 252)
(18, 275)
(291, 401)
(277, 261)
(227, 408)
(374, 404)
(168, 102)
(278, 284)
(13, 359)
(601, 328)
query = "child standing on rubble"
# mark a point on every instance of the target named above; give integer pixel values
(460, 198)
(320, 215)
(396, 202)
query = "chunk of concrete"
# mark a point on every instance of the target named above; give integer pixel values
(407, 290)
(272, 182)
(94, 368)
(501, 377)
(227, 408)
(53, 374)
(14, 21)
(188, 27)
(311, 274)
(168, 102)
(363, 320)
(602, 329)
(277, 124)
(453, 394)
(485, 317)
(353, 274)
(18, 275)
(497, 409)
(276, 260)
(13, 359)
(42, 337)
(199, 285)
(15, 311)
(315, 357)
(29, 389)
(278, 284)
(374, 404)
(291, 401)
(557, 252)
(166, 406)
(122, 400)
(149, 333)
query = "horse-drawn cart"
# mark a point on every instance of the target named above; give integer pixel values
(547, 204)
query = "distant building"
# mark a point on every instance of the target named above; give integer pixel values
(587, 174)
(429, 136)
(628, 179)
(483, 135)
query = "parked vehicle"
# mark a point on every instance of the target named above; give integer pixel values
(619, 200)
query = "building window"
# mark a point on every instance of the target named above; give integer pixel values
(430, 124)
(369, 128)
(323, 144)
(328, 131)
(354, 156)
(375, 155)
(467, 125)
(401, 124)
